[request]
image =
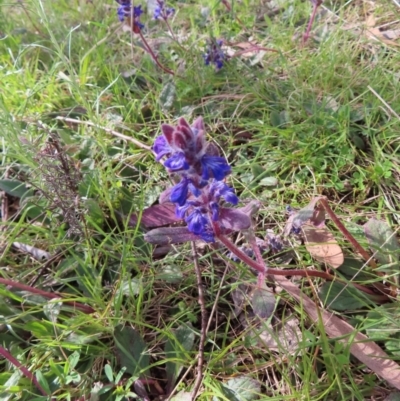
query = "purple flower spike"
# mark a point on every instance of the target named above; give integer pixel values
(199, 224)
(179, 192)
(214, 54)
(202, 171)
(215, 167)
(125, 11)
(160, 147)
(163, 12)
(219, 189)
(177, 162)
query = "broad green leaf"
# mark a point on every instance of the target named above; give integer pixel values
(384, 243)
(257, 170)
(130, 287)
(269, 182)
(263, 302)
(73, 360)
(14, 188)
(42, 381)
(245, 388)
(170, 274)
(338, 297)
(275, 118)
(131, 350)
(176, 349)
(109, 373)
(167, 96)
(355, 269)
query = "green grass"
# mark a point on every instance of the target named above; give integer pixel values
(319, 118)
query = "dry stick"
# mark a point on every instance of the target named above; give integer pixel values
(294, 272)
(109, 130)
(203, 333)
(23, 370)
(384, 102)
(253, 48)
(83, 308)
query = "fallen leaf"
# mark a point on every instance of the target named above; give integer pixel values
(322, 246)
(367, 351)
(375, 33)
(370, 21)
(286, 337)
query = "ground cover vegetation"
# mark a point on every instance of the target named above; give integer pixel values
(199, 200)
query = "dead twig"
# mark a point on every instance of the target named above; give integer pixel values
(109, 130)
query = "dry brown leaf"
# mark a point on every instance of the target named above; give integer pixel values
(377, 34)
(370, 21)
(365, 350)
(322, 246)
(392, 34)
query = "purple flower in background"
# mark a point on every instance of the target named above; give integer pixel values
(125, 11)
(163, 12)
(201, 170)
(214, 54)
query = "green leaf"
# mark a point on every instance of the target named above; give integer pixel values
(167, 96)
(73, 360)
(109, 373)
(42, 381)
(263, 302)
(14, 188)
(257, 170)
(383, 241)
(275, 118)
(354, 269)
(176, 349)
(338, 297)
(244, 388)
(131, 350)
(269, 182)
(130, 287)
(170, 274)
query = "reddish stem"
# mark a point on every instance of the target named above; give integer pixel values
(24, 287)
(23, 369)
(153, 56)
(291, 272)
(316, 4)
(367, 257)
